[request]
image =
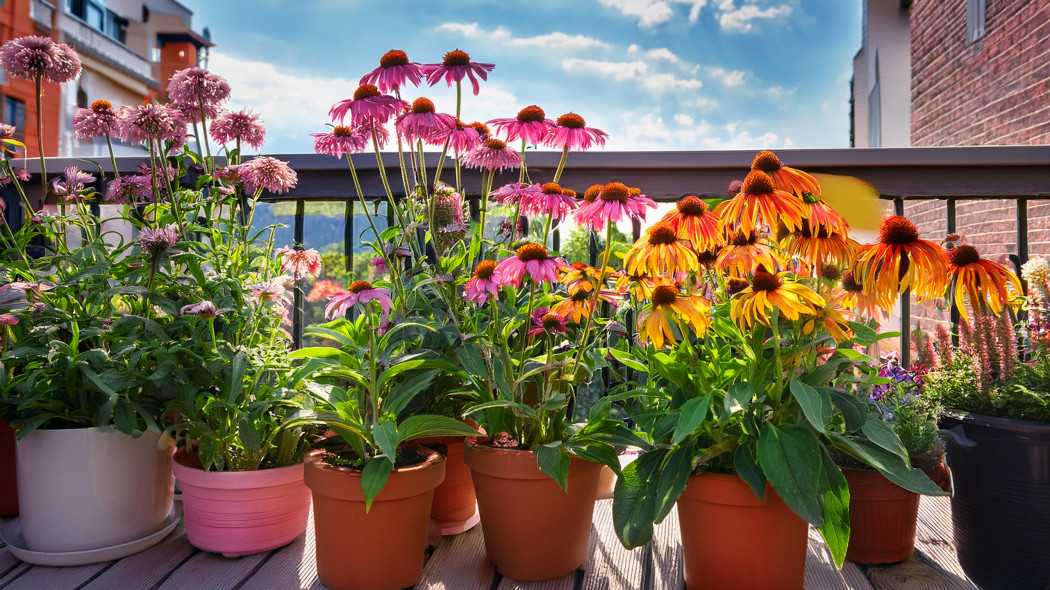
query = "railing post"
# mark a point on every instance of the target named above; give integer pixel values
(1022, 231)
(348, 235)
(950, 225)
(298, 232)
(898, 206)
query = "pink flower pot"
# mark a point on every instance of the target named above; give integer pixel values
(241, 512)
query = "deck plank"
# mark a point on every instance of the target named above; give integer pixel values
(935, 536)
(821, 573)
(213, 571)
(459, 563)
(568, 581)
(57, 577)
(148, 568)
(665, 553)
(915, 573)
(14, 573)
(292, 566)
(610, 566)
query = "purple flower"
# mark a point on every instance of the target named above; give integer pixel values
(379, 263)
(493, 154)
(30, 57)
(543, 321)
(393, 71)
(8, 319)
(367, 106)
(267, 173)
(461, 138)
(205, 309)
(342, 140)
(191, 113)
(197, 86)
(243, 125)
(151, 121)
(72, 185)
(156, 242)
(455, 66)
(422, 123)
(98, 121)
(129, 189)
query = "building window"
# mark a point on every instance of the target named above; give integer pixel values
(14, 113)
(95, 14)
(974, 20)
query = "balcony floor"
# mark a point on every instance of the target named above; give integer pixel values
(458, 563)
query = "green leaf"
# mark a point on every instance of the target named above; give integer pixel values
(554, 461)
(402, 393)
(672, 477)
(747, 468)
(373, 478)
(790, 457)
(739, 397)
(248, 434)
(853, 410)
(888, 464)
(235, 377)
(385, 434)
(629, 360)
(423, 425)
(881, 433)
(634, 504)
(816, 404)
(690, 417)
(471, 360)
(836, 509)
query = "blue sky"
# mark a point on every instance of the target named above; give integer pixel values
(654, 74)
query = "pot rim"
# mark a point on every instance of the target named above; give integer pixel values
(1008, 424)
(269, 477)
(313, 459)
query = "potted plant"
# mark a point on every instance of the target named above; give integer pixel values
(997, 426)
(883, 515)
(747, 331)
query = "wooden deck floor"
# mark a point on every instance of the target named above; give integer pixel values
(458, 563)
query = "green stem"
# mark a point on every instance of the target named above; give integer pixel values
(597, 293)
(561, 163)
(395, 272)
(40, 145)
(522, 171)
(112, 158)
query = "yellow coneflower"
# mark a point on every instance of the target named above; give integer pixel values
(860, 302)
(768, 291)
(578, 273)
(818, 245)
(659, 252)
(579, 305)
(669, 306)
(759, 204)
(822, 215)
(787, 179)
(833, 317)
(640, 286)
(899, 260)
(983, 281)
(744, 252)
(691, 220)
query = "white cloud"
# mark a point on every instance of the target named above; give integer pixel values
(658, 54)
(648, 131)
(780, 92)
(729, 78)
(654, 12)
(739, 19)
(556, 40)
(664, 82)
(683, 119)
(630, 70)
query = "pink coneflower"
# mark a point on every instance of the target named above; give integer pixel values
(484, 284)
(20, 173)
(242, 125)
(367, 106)
(191, 113)
(551, 200)
(273, 290)
(197, 86)
(545, 322)
(324, 289)
(299, 262)
(268, 173)
(72, 184)
(35, 287)
(29, 57)
(531, 258)
(393, 72)
(156, 242)
(8, 319)
(531, 125)
(493, 154)
(342, 140)
(615, 202)
(454, 67)
(516, 193)
(421, 122)
(461, 138)
(232, 174)
(205, 309)
(98, 121)
(360, 292)
(151, 121)
(571, 133)
(379, 263)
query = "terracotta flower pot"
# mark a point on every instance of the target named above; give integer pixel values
(382, 549)
(455, 506)
(731, 539)
(533, 529)
(882, 518)
(8, 479)
(241, 512)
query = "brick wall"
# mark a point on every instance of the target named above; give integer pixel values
(993, 91)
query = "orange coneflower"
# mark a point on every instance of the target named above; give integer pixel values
(579, 274)
(769, 291)
(744, 252)
(659, 252)
(857, 299)
(690, 220)
(833, 316)
(818, 245)
(983, 281)
(899, 260)
(669, 306)
(580, 304)
(760, 204)
(822, 215)
(640, 286)
(787, 179)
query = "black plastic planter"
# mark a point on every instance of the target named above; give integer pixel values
(1001, 506)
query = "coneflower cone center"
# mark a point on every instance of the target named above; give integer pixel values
(551, 321)
(707, 257)
(365, 91)
(662, 234)
(495, 144)
(807, 231)
(898, 230)
(664, 295)
(757, 183)
(735, 285)
(422, 105)
(615, 191)
(532, 252)
(394, 57)
(592, 193)
(581, 295)
(358, 286)
(456, 58)
(552, 188)
(481, 128)
(691, 205)
(342, 131)
(849, 283)
(766, 161)
(101, 105)
(568, 192)
(572, 121)
(963, 255)
(743, 239)
(830, 272)
(484, 269)
(764, 281)
(531, 114)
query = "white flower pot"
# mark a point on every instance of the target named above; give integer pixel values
(86, 488)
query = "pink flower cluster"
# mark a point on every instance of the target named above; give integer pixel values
(299, 262)
(43, 57)
(265, 172)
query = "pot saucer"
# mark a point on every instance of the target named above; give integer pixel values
(12, 536)
(462, 526)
